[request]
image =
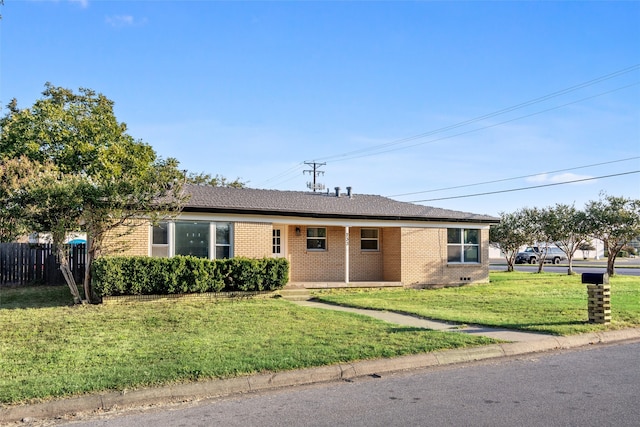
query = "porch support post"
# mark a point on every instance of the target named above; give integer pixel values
(346, 254)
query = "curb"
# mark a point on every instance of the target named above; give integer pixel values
(262, 382)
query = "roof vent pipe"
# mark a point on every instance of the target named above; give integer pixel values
(349, 193)
(337, 191)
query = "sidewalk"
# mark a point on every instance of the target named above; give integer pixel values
(519, 343)
(408, 320)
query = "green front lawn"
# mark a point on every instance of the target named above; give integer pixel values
(50, 349)
(547, 302)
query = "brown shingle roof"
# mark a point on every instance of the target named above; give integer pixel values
(205, 198)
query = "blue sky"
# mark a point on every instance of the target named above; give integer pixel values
(400, 99)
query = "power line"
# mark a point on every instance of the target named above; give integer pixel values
(354, 153)
(283, 181)
(525, 188)
(485, 127)
(514, 178)
(294, 169)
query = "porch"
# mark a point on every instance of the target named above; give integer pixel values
(339, 256)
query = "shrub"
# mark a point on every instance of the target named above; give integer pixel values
(185, 274)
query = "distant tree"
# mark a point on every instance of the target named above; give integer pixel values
(566, 226)
(615, 221)
(91, 175)
(538, 232)
(215, 181)
(629, 250)
(586, 246)
(509, 235)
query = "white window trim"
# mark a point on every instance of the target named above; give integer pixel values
(276, 233)
(171, 229)
(212, 238)
(213, 234)
(168, 245)
(325, 238)
(461, 244)
(377, 239)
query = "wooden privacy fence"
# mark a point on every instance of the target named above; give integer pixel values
(27, 264)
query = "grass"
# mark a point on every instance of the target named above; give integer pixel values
(49, 348)
(546, 302)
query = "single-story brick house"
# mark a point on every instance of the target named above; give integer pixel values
(330, 239)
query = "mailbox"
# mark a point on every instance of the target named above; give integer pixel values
(595, 278)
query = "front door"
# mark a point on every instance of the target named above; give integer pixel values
(278, 242)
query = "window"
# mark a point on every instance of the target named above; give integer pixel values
(192, 238)
(463, 245)
(369, 239)
(276, 241)
(160, 240)
(223, 240)
(317, 239)
(200, 239)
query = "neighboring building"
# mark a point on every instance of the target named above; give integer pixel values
(329, 238)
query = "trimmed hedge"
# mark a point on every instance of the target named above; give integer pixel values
(139, 275)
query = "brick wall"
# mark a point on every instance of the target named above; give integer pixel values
(424, 259)
(252, 239)
(329, 265)
(130, 239)
(392, 259)
(316, 266)
(364, 265)
(414, 256)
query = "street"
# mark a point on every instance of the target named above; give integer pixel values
(590, 386)
(624, 267)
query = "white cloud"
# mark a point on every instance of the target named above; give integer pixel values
(83, 3)
(546, 178)
(123, 21)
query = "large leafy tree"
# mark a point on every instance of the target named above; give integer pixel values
(39, 197)
(13, 176)
(509, 235)
(567, 227)
(615, 221)
(93, 175)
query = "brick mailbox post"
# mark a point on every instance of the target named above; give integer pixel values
(599, 293)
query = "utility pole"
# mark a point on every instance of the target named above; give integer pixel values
(315, 173)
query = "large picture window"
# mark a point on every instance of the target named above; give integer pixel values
(192, 238)
(195, 238)
(369, 239)
(463, 245)
(316, 239)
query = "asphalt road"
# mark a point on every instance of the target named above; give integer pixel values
(627, 267)
(592, 386)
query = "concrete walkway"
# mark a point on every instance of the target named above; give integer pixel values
(417, 322)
